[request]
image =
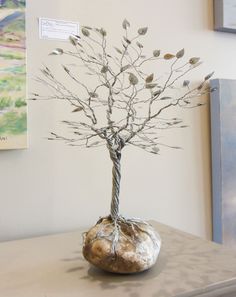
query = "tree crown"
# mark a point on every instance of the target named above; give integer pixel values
(131, 99)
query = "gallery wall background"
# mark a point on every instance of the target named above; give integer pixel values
(53, 188)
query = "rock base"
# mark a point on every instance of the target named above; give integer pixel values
(127, 246)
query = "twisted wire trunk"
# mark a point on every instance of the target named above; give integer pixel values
(116, 176)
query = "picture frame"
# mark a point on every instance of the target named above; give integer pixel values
(225, 15)
(223, 144)
(13, 103)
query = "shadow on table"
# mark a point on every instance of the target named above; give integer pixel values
(108, 280)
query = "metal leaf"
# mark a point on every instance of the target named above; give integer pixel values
(180, 54)
(165, 98)
(150, 86)
(100, 56)
(209, 75)
(139, 44)
(73, 40)
(118, 50)
(186, 101)
(85, 32)
(125, 24)
(93, 95)
(133, 79)
(155, 150)
(176, 147)
(45, 72)
(168, 56)
(186, 83)
(156, 93)
(77, 109)
(156, 53)
(103, 32)
(92, 57)
(194, 60)
(94, 143)
(142, 31)
(200, 86)
(149, 78)
(127, 40)
(104, 69)
(57, 51)
(77, 36)
(176, 122)
(124, 68)
(124, 45)
(66, 69)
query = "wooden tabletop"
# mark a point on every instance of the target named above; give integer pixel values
(53, 266)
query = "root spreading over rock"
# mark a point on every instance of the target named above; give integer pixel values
(122, 246)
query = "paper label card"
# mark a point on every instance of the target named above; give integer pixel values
(57, 29)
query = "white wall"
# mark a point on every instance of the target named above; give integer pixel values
(51, 187)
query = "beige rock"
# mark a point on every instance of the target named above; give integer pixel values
(129, 246)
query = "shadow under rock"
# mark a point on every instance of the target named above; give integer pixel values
(108, 280)
(79, 260)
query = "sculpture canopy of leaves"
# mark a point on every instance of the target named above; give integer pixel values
(132, 100)
(125, 81)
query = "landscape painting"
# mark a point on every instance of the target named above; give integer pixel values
(223, 128)
(13, 107)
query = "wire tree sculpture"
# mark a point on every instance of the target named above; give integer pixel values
(125, 103)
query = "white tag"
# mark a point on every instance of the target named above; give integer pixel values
(57, 29)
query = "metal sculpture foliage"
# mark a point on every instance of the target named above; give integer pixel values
(126, 105)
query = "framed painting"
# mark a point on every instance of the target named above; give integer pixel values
(225, 15)
(223, 128)
(13, 107)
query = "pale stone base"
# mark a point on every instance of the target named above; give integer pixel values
(123, 248)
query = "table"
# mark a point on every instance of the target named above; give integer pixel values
(53, 266)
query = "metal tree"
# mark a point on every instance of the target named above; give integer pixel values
(125, 104)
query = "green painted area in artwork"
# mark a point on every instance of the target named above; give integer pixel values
(5, 102)
(14, 4)
(15, 69)
(20, 102)
(13, 123)
(16, 26)
(12, 56)
(12, 83)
